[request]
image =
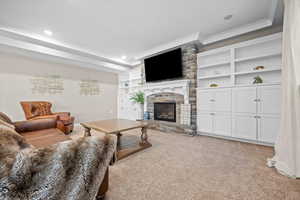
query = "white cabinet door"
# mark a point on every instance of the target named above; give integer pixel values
(205, 100)
(244, 100)
(268, 128)
(222, 124)
(244, 126)
(222, 100)
(269, 99)
(205, 122)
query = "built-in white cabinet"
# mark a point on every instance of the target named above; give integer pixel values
(233, 105)
(268, 128)
(214, 122)
(218, 100)
(244, 100)
(267, 104)
(244, 126)
(246, 112)
(205, 101)
(214, 111)
(205, 122)
(222, 124)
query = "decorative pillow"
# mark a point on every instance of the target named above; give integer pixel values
(8, 125)
(5, 118)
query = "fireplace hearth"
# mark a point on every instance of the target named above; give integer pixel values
(165, 111)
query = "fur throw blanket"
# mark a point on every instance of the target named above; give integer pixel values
(71, 170)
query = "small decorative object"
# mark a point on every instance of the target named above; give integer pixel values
(140, 99)
(126, 84)
(257, 80)
(258, 68)
(213, 85)
(146, 115)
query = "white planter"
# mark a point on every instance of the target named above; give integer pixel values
(141, 113)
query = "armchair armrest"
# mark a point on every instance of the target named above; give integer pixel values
(35, 125)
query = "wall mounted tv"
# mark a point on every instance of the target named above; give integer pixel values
(164, 66)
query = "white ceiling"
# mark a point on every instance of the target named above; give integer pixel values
(135, 28)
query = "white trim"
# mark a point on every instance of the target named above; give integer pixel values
(243, 44)
(42, 52)
(237, 31)
(11, 40)
(234, 139)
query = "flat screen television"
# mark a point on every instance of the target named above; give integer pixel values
(164, 66)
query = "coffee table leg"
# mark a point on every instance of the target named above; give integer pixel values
(144, 136)
(87, 131)
(119, 140)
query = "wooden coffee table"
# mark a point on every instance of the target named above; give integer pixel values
(116, 126)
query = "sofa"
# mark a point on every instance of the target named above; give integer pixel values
(38, 161)
(34, 110)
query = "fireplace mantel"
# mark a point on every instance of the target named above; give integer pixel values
(178, 87)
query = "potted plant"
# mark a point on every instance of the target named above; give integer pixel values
(140, 99)
(257, 80)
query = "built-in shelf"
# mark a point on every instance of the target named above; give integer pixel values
(234, 65)
(257, 71)
(239, 85)
(258, 57)
(213, 76)
(214, 64)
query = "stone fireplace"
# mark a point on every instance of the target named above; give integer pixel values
(165, 111)
(168, 105)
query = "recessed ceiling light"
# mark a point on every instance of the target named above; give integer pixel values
(124, 57)
(48, 32)
(228, 17)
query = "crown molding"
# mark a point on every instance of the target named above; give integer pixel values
(167, 46)
(263, 23)
(36, 45)
(237, 31)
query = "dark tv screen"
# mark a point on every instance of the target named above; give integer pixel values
(164, 66)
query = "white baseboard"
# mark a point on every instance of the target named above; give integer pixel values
(235, 139)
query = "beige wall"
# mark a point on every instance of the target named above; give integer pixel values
(16, 73)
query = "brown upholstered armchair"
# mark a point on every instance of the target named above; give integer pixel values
(42, 110)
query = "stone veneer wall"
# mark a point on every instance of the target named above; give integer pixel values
(189, 63)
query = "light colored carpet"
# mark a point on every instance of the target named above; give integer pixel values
(180, 167)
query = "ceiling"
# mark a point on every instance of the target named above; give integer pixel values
(106, 30)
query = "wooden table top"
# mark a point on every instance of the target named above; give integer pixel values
(114, 125)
